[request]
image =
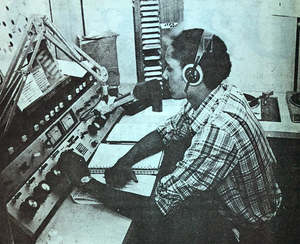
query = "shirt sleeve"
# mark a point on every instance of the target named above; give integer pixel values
(176, 127)
(209, 159)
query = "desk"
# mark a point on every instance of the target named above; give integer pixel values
(88, 224)
(95, 223)
(284, 129)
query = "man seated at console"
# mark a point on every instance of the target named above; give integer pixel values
(216, 183)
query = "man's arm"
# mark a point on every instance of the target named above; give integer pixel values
(147, 146)
(132, 205)
(135, 206)
(121, 172)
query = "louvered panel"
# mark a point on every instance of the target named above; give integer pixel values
(151, 41)
(149, 34)
(149, 8)
(150, 19)
(153, 73)
(159, 78)
(152, 68)
(150, 13)
(147, 3)
(151, 30)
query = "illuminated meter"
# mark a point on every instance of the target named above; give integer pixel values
(54, 134)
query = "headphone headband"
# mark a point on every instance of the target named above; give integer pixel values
(205, 45)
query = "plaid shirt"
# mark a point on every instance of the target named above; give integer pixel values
(228, 153)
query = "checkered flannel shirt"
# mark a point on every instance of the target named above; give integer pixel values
(229, 153)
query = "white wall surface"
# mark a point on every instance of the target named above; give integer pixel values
(117, 16)
(262, 46)
(13, 16)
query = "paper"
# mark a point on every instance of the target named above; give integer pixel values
(41, 79)
(143, 187)
(82, 197)
(30, 92)
(108, 154)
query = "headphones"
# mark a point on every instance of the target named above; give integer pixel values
(192, 73)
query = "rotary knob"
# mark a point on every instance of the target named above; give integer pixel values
(30, 205)
(53, 177)
(42, 191)
(93, 128)
(99, 120)
(94, 143)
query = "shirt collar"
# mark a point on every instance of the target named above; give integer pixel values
(200, 116)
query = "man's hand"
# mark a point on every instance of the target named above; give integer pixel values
(104, 108)
(73, 165)
(118, 176)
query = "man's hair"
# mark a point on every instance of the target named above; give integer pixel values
(216, 66)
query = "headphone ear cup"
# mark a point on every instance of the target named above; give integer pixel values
(195, 77)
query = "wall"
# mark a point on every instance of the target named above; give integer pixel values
(103, 15)
(262, 46)
(100, 15)
(14, 16)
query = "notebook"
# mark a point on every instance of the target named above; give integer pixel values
(108, 154)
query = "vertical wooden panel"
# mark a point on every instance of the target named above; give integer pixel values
(171, 11)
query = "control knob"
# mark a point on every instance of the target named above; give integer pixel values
(92, 129)
(53, 177)
(100, 121)
(42, 191)
(30, 205)
(94, 143)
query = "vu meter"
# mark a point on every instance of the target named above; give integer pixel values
(68, 121)
(54, 134)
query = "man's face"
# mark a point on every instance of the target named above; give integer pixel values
(173, 74)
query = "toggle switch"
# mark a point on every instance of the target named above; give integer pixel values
(29, 182)
(16, 197)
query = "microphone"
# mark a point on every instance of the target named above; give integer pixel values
(150, 90)
(144, 91)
